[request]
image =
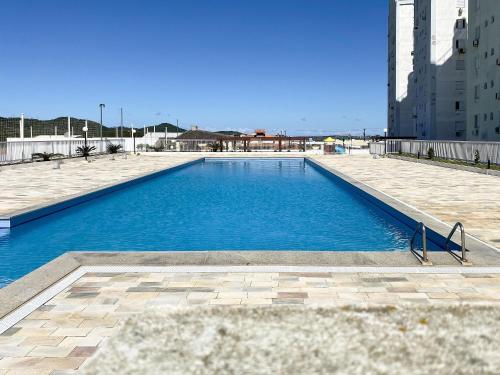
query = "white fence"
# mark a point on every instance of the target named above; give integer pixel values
(22, 151)
(465, 151)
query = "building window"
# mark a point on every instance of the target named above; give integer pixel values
(476, 121)
(460, 24)
(491, 116)
(492, 84)
(459, 85)
(485, 86)
(485, 117)
(492, 52)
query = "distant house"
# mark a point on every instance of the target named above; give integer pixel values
(199, 140)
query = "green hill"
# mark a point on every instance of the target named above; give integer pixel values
(9, 128)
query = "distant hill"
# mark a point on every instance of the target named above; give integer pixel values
(9, 128)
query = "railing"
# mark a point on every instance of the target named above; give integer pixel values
(463, 258)
(424, 259)
(454, 150)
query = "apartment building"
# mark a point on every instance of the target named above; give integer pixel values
(400, 67)
(440, 49)
(483, 71)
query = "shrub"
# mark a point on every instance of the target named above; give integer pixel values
(430, 153)
(45, 156)
(113, 148)
(477, 157)
(85, 150)
(214, 146)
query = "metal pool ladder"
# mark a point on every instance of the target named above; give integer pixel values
(423, 258)
(461, 258)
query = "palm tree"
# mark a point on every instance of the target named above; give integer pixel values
(85, 150)
(113, 148)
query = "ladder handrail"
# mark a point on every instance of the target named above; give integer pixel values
(462, 240)
(420, 228)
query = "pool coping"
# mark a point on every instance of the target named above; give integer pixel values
(21, 291)
(16, 315)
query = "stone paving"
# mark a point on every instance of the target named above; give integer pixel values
(447, 194)
(62, 334)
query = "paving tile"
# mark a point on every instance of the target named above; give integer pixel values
(298, 295)
(14, 351)
(83, 351)
(72, 341)
(11, 331)
(226, 301)
(42, 341)
(50, 351)
(71, 331)
(288, 301)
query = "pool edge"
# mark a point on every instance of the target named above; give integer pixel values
(404, 212)
(36, 212)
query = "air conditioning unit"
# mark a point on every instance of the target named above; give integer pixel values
(475, 43)
(461, 51)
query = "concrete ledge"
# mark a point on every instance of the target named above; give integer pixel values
(29, 286)
(490, 172)
(26, 288)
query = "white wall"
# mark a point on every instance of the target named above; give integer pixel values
(440, 74)
(483, 118)
(400, 65)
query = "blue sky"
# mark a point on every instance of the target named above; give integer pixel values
(306, 66)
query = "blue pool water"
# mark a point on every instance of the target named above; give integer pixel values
(238, 204)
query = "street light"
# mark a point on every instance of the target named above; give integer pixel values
(101, 106)
(133, 137)
(385, 141)
(85, 130)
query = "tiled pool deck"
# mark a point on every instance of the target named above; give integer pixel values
(62, 334)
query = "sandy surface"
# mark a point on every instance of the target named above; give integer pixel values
(260, 340)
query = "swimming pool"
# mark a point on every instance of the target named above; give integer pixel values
(215, 204)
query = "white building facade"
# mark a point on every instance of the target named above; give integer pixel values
(440, 34)
(483, 71)
(400, 121)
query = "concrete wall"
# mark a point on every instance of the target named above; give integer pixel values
(440, 69)
(483, 73)
(400, 67)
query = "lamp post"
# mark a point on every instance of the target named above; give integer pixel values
(133, 137)
(101, 106)
(385, 141)
(85, 130)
